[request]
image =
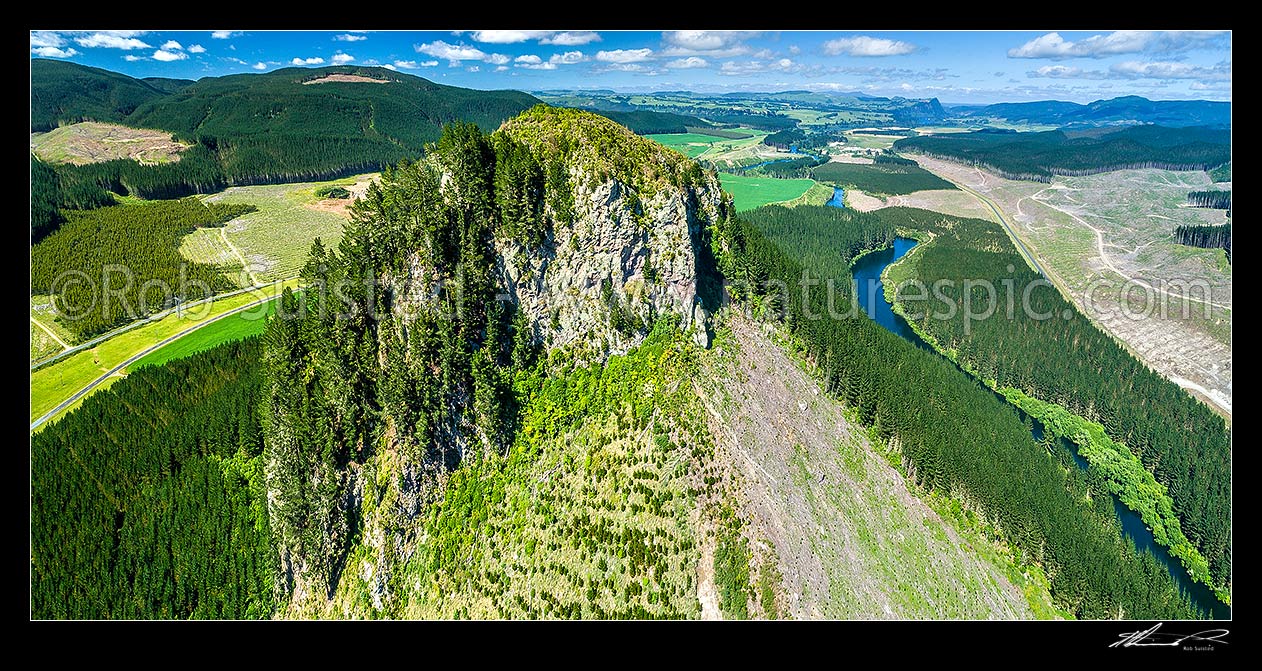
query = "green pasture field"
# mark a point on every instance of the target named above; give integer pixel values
(751, 192)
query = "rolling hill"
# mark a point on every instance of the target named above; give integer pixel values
(1123, 110)
(63, 93)
(1038, 156)
(292, 124)
(381, 105)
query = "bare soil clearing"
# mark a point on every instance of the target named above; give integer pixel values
(1115, 229)
(94, 142)
(338, 77)
(862, 202)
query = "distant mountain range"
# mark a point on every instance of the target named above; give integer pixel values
(1123, 110)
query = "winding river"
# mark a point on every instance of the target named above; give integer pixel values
(867, 273)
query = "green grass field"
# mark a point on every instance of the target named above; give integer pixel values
(864, 141)
(691, 145)
(750, 192)
(723, 152)
(276, 238)
(818, 194)
(238, 326)
(55, 383)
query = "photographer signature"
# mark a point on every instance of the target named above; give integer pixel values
(1153, 638)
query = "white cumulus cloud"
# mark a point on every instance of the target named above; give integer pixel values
(1053, 46)
(114, 39)
(571, 38)
(624, 55)
(54, 52)
(688, 63)
(224, 34)
(862, 45)
(707, 43)
(46, 38)
(508, 36)
(172, 45)
(196, 49)
(314, 60)
(350, 37)
(452, 53)
(567, 58)
(707, 40)
(341, 59)
(533, 62)
(167, 56)
(1057, 72)
(260, 66)
(497, 59)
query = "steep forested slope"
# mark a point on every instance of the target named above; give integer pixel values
(148, 501)
(64, 92)
(955, 436)
(1047, 350)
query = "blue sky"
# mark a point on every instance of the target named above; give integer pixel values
(955, 67)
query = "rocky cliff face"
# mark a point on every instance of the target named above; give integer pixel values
(605, 276)
(631, 248)
(561, 231)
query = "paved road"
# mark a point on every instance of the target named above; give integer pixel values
(151, 319)
(93, 384)
(1003, 221)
